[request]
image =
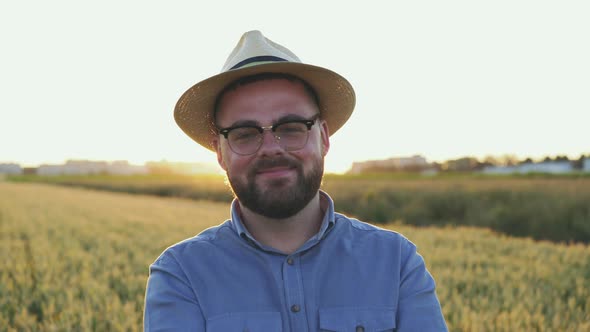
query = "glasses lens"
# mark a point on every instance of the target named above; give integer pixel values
(289, 135)
(245, 140)
(292, 135)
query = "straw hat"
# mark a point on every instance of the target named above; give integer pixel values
(255, 54)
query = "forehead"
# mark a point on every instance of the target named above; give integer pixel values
(264, 102)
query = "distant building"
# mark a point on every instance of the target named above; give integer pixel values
(547, 167)
(500, 170)
(86, 167)
(586, 167)
(553, 167)
(400, 163)
(50, 169)
(10, 168)
(122, 167)
(74, 167)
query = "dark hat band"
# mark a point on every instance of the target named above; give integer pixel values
(261, 58)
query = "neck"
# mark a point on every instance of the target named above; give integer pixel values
(288, 234)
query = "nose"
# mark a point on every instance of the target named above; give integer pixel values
(270, 144)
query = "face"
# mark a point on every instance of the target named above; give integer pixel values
(272, 182)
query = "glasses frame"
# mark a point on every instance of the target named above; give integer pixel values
(261, 129)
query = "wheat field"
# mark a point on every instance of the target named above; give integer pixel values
(77, 260)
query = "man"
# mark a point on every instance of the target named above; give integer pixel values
(285, 261)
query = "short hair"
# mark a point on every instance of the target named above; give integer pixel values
(263, 77)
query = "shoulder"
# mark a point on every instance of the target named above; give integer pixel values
(359, 227)
(196, 245)
(380, 248)
(365, 234)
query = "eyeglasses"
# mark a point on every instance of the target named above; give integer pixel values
(291, 135)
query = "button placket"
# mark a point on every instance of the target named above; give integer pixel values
(295, 308)
(294, 295)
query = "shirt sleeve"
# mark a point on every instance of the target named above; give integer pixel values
(418, 308)
(170, 302)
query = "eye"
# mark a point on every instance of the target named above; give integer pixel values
(243, 134)
(291, 128)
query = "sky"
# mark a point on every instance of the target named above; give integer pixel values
(442, 79)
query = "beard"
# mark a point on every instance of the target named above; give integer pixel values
(278, 200)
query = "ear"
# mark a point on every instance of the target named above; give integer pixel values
(325, 133)
(217, 145)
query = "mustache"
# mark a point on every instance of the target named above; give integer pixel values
(263, 164)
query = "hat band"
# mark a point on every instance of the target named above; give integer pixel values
(261, 58)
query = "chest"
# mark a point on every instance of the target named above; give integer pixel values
(331, 288)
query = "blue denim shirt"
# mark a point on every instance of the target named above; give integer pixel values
(350, 276)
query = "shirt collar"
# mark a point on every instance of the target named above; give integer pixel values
(329, 220)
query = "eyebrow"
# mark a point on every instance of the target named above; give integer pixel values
(286, 118)
(244, 123)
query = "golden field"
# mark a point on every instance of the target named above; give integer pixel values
(77, 260)
(540, 206)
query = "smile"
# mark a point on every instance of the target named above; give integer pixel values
(275, 171)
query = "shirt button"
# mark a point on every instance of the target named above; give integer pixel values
(295, 308)
(290, 261)
(360, 328)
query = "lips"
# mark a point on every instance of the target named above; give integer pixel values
(274, 167)
(275, 171)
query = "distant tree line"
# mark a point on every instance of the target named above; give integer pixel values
(472, 164)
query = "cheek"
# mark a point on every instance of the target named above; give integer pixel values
(308, 156)
(317, 147)
(235, 165)
(224, 156)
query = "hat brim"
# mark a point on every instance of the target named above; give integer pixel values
(194, 110)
